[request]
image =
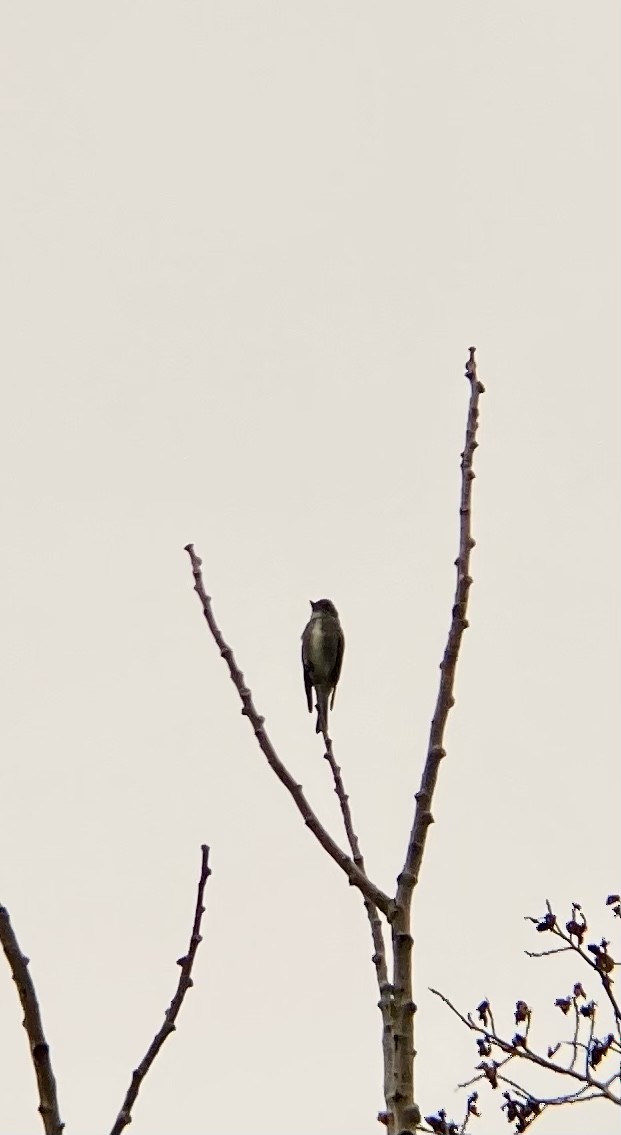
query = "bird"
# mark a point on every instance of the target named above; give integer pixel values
(323, 643)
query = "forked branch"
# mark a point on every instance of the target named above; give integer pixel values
(396, 1002)
(356, 877)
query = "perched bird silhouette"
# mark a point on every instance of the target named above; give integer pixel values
(323, 643)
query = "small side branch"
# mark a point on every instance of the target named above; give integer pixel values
(518, 1049)
(185, 982)
(39, 1048)
(575, 929)
(356, 877)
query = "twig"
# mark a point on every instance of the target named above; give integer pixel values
(556, 1101)
(529, 1055)
(584, 1056)
(471, 1109)
(547, 953)
(39, 1048)
(556, 930)
(587, 1055)
(377, 936)
(404, 1008)
(356, 877)
(574, 1042)
(464, 1020)
(440, 1124)
(185, 982)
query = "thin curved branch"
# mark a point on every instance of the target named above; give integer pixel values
(526, 1054)
(39, 1048)
(375, 923)
(555, 1101)
(356, 877)
(547, 953)
(185, 982)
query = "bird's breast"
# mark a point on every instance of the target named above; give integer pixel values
(321, 650)
(316, 638)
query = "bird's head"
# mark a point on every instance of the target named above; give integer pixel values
(324, 605)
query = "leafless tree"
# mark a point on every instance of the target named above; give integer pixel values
(390, 919)
(390, 916)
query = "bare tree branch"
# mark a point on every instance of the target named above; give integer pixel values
(445, 701)
(585, 1051)
(402, 942)
(572, 936)
(377, 935)
(514, 1051)
(555, 1101)
(356, 877)
(39, 1048)
(396, 1002)
(185, 982)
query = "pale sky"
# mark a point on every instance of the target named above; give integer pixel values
(245, 248)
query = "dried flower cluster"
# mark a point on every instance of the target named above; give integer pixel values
(588, 1060)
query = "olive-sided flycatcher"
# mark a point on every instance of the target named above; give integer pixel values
(323, 643)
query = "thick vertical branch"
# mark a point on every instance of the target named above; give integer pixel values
(39, 1049)
(402, 1094)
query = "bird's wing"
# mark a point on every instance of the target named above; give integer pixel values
(340, 649)
(308, 685)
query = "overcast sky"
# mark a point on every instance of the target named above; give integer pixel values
(245, 249)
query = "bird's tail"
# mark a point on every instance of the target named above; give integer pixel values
(323, 696)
